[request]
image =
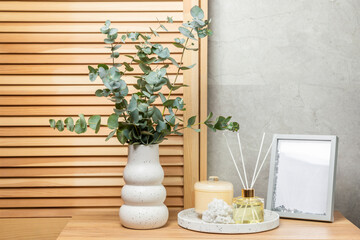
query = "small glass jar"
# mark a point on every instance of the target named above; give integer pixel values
(248, 208)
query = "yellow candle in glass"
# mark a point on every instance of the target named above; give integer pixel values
(206, 191)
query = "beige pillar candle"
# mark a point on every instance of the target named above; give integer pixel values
(206, 191)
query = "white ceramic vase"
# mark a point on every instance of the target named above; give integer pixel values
(143, 193)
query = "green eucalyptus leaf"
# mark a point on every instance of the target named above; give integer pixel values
(78, 127)
(152, 99)
(116, 47)
(170, 119)
(174, 62)
(145, 68)
(128, 67)
(186, 32)
(169, 19)
(94, 123)
(162, 97)
(178, 45)
(104, 29)
(115, 54)
(154, 32)
(99, 93)
(147, 133)
(143, 107)
(179, 86)
(169, 103)
(163, 27)
(123, 38)
(52, 123)
(106, 67)
(102, 72)
(152, 78)
(191, 121)
(91, 69)
(93, 76)
(69, 124)
(60, 125)
(157, 116)
(108, 40)
(148, 92)
(120, 136)
(113, 121)
(113, 31)
(83, 123)
(188, 67)
(133, 104)
(161, 126)
(209, 117)
(163, 53)
(111, 134)
(147, 50)
(134, 116)
(197, 12)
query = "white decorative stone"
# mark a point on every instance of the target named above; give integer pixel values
(143, 193)
(218, 212)
(189, 219)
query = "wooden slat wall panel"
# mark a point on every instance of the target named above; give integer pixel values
(45, 48)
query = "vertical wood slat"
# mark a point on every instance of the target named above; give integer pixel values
(203, 61)
(191, 138)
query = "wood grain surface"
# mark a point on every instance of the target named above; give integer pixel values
(108, 227)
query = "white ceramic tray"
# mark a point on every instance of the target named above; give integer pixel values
(189, 219)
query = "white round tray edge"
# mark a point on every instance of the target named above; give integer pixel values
(189, 219)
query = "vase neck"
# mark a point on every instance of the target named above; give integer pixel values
(143, 153)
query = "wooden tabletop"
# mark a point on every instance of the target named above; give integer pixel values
(108, 227)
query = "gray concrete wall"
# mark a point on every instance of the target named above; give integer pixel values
(292, 67)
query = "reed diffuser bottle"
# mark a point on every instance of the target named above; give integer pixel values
(248, 208)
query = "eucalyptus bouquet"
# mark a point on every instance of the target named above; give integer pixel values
(137, 120)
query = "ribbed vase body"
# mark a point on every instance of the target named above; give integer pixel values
(143, 193)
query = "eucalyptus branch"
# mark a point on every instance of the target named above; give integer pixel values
(138, 120)
(178, 71)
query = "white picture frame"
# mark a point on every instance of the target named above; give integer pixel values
(302, 176)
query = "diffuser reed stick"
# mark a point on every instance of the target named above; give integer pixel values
(258, 158)
(242, 160)
(232, 157)
(262, 164)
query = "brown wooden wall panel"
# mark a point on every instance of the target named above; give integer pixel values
(45, 47)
